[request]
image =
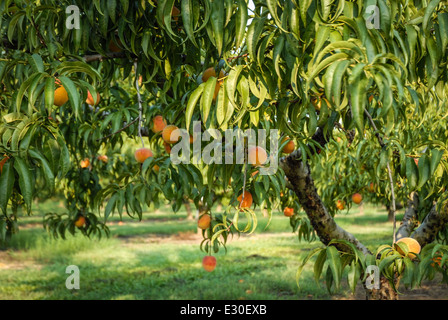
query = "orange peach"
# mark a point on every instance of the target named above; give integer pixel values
(90, 101)
(209, 263)
(204, 222)
(290, 146)
(171, 134)
(257, 156)
(85, 163)
(247, 201)
(159, 124)
(142, 154)
(357, 198)
(288, 212)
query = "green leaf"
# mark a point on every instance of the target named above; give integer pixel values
(308, 257)
(73, 95)
(187, 19)
(241, 22)
(272, 6)
(23, 89)
(253, 35)
(319, 265)
(45, 167)
(428, 13)
(25, 181)
(423, 170)
(49, 93)
(36, 63)
(358, 100)
(65, 157)
(411, 173)
(207, 98)
(191, 104)
(217, 20)
(6, 184)
(110, 206)
(334, 263)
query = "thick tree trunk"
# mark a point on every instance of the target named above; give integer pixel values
(301, 182)
(410, 220)
(385, 291)
(434, 222)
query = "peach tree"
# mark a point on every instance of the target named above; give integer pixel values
(360, 87)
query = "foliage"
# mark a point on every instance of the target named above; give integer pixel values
(301, 67)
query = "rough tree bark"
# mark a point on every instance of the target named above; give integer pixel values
(301, 182)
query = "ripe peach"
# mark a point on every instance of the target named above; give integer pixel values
(159, 124)
(290, 146)
(142, 154)
(60, 94)
(340, 205)
(171, 134)
(413, 246)
(209, 263)
(257, 156)
(288, 212)
(371, 187)
(90, 101)
(103, 158)
(210, 72)
(85, 163)
(80, 222)
(204, 221)
(357, 198)
(247, 201)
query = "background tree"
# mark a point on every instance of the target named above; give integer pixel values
(315, 70)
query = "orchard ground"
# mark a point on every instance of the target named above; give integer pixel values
(159, 258)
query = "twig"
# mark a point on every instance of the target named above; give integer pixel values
(99, 57)
(391, 180)
(41, 38)
(140, 108)
(118, 131)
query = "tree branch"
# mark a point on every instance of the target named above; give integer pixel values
(118, 131)
(409, 221)
(433, 223)
(299, 176)
(99, 57)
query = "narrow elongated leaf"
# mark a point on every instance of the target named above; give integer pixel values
(45, 167)
(334, 263)
(25, 181)
(191, 104)
(241, 22)
(6, 184)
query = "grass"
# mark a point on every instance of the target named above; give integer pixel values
(159, 258)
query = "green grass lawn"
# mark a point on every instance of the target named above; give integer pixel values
(159, 258)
